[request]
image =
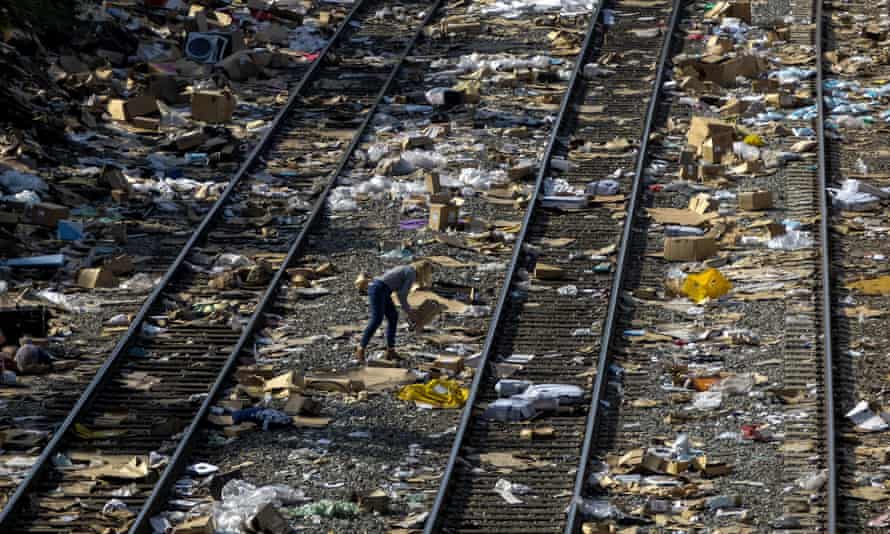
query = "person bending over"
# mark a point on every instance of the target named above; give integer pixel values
(399, 280)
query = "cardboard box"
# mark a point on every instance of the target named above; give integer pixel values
(416, 141)
(168, 88)
(376, 501)
(692, 84)
(780, 100)
(522, 170)
(439, 198)
(657, 464)
(454, 364)
(442, 216)
(122, 264)
(750, 167)
(240, 66)
(715, 149)
(775, 229)
(45, 214)
(544, 271)
(299, 405)
(96, 277)
(740, 9)
(688, 165)
(199, 525)
(709, 170)
(425, 313)
(768, 85)
(733, 106)
(213, 106)
(702, 128)
(146, 123)
(719, 45)
(431, 180)
(695, 248)
(755, 200)
(724, 70)
(126, 110)
(191, 140)
(703, 203)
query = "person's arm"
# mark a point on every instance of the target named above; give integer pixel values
(405, 288)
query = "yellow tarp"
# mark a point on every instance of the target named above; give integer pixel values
(706, 284)
(438, 393)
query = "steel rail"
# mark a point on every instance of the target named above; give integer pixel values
(104, 372)
(544, 169)
(827, 342)
(168, 478)
(618, 279)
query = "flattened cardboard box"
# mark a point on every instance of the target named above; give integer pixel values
(694, 248)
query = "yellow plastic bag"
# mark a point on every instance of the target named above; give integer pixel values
(754, 140)
(706, 284)
(438, 393)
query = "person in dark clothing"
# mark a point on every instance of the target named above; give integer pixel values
(399, 280)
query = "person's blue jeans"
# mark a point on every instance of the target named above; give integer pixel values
(380, 299)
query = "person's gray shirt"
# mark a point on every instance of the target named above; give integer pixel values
(400, 279)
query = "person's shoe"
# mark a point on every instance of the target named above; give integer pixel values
(360, 354)
(391, 354)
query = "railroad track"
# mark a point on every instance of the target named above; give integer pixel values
(499, 131)
(858, 252)
(157, 385)
(163, 247)
(561, 332)
(644, 382)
